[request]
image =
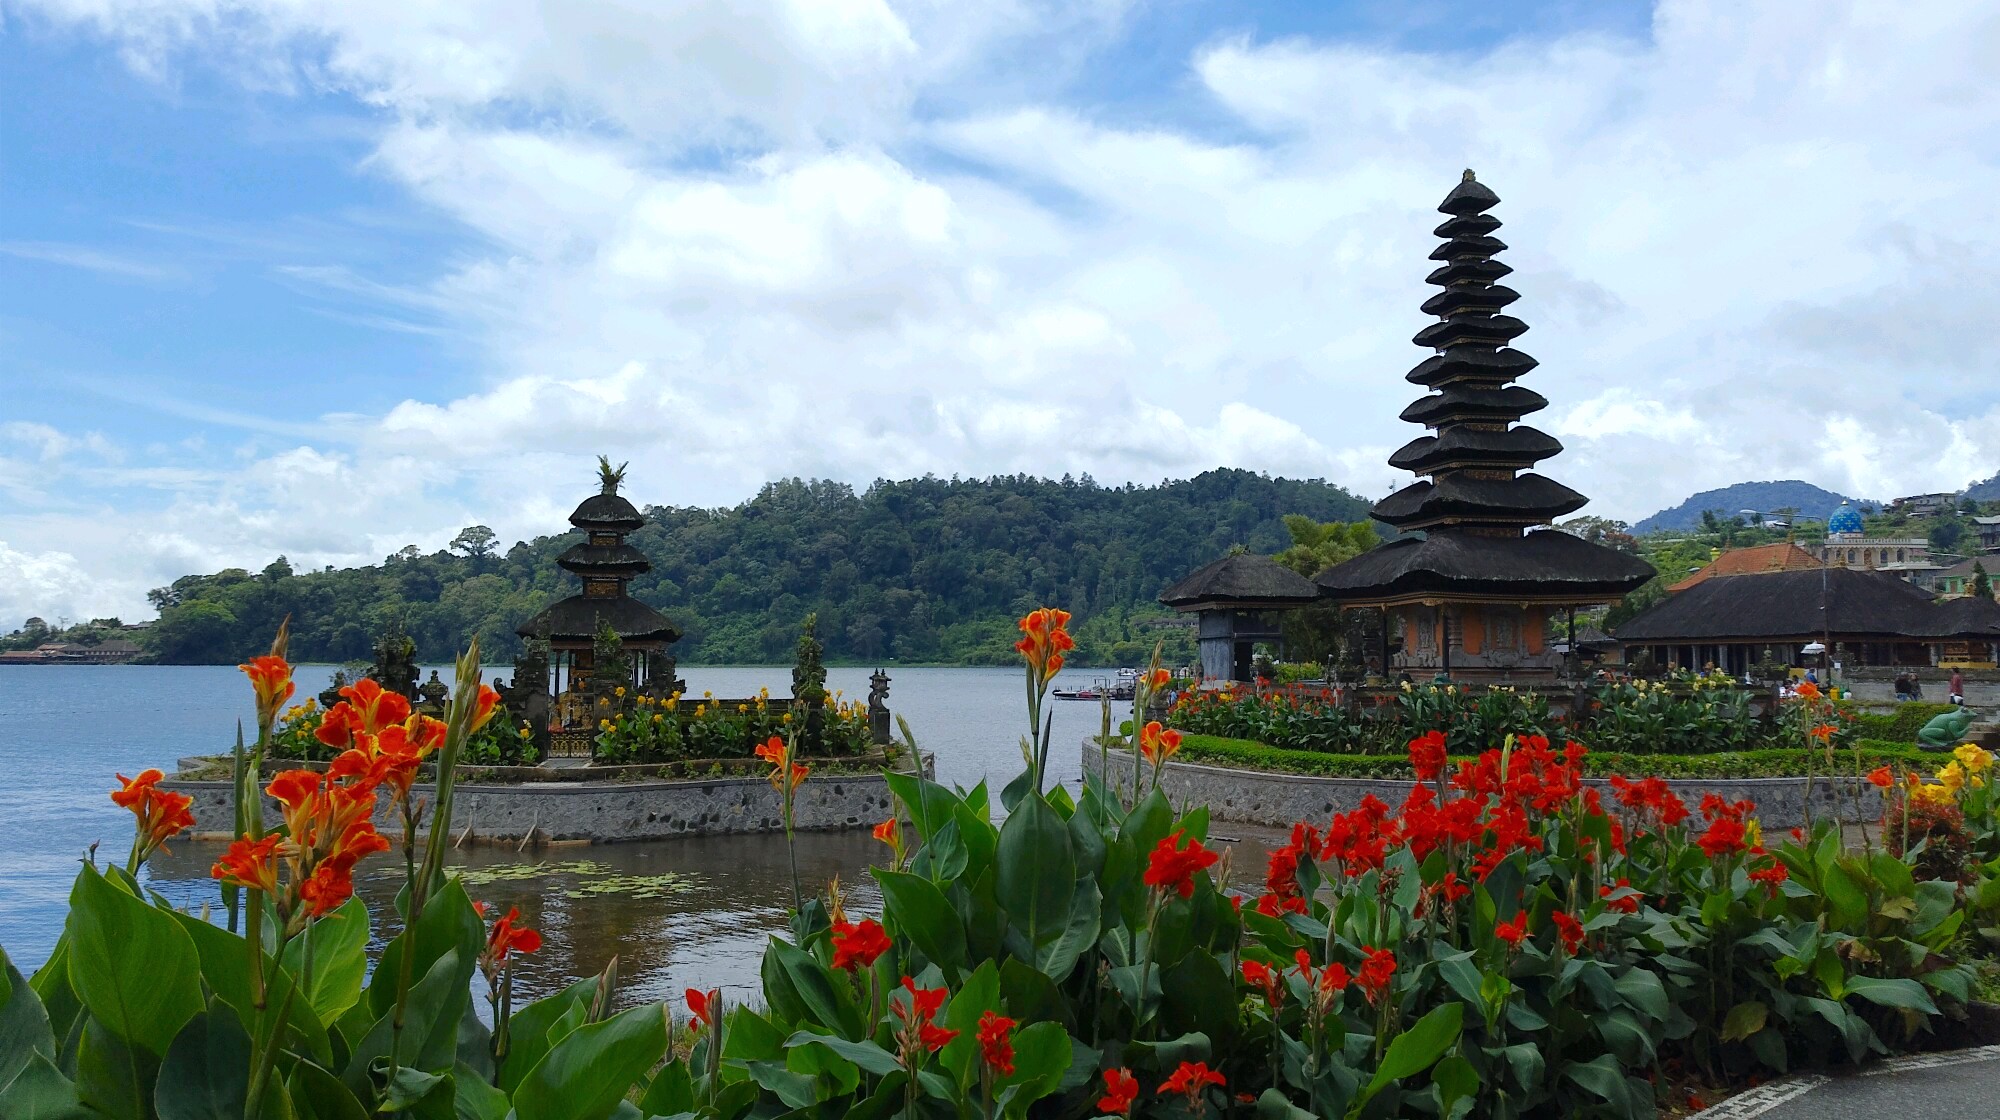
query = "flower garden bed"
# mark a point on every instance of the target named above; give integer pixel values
(1496, 941)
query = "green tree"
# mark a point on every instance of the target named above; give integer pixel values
(1981, 585)
(475, 541)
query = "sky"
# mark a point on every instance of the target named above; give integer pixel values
(325, 278)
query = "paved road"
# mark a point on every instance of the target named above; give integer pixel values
(1962, 1085)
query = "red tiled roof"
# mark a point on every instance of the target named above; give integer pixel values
(1781, 557)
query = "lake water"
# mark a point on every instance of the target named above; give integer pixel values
(65, 730)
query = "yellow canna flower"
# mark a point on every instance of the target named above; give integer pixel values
(1952, 776)
(619, 691)
(1753, 832)
(1974, 758)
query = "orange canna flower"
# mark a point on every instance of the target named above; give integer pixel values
(1808, 690)
(1823, 732)
(773, 751)
(160, 814)
(1881, 779)
(1044, 640)
(1158, 679)
(251, 864)
(484, 706)
(1158, 744)
(890, 832)
(271, 676)
(376, 706)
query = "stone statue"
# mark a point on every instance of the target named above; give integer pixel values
(395, 667)
(878, 707)
(1945, 730)
(332, 694)
(434, 693)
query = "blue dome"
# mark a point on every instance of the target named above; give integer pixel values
(1846, 519)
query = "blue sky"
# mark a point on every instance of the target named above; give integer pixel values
(327, 279)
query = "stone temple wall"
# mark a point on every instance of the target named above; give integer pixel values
(608, 812)
(1280, 800)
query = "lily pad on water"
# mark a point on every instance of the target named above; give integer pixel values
(522, 872)
(635, 886)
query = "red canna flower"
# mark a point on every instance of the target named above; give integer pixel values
(251, 864)
(1724, 836)
(159, 814)
(1158, 744)
(1265, 979)
(271, 676)
(1376, 972)
(1173, 868)
(857, 946)
(1189, 1080)
(1880, 778)
(1621, 897)
(890, 832)
(1120, 1090)
(1823, 732)
(1513, 932)
(1570, 929)
(1427, 755)
(507, 938)
(704, 1005)
(996, 1046)
(919, 1032)
(1771, 875)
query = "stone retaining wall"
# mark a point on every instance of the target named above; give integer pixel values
(608, 812)
(1257, 797)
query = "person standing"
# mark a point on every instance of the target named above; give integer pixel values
(1957, 688)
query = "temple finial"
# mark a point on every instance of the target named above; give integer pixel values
(1467, 177)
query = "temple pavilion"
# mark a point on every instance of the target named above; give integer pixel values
(1236, 602)
(606, 565)
(1475, 582)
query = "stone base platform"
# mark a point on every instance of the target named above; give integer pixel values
(611, 811)
(1280, 800)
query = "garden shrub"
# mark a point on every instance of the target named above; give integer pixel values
(1902, 725)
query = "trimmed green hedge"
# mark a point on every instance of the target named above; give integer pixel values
(1901, 727)
(1783, 763)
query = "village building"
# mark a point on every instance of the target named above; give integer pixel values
(1863, 619)
(1988, 529)
(1237, 603)
(1848, 545)
(1923, 505)
(111, 651)
(1478, 580)
(1957, 580)
(1783, 556)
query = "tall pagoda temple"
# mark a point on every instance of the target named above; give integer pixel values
(1472, 585)
(606, 565)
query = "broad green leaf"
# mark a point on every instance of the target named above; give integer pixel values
(1906, 994)
(1418, 1048)
(1641, 989)
(916, 907)
(1037, 872)
(206, 1073)
(448, 923)
(979, 994)
(796, 1090)
(1041, 1057)
(39, 1091)
(814, 985)
(113, 1076)
(131, 964)
(1602, 1077)
(927, 804)
(24, 1026)
(1744, 1020)
(586, 1074)
(429, 1039)
(1847, 903)
(319, 1095)
(225, 968)
(531, 1030)
(339, 944)
(671, 1092)
(418, 1095)
(475, 1098)
(867, 1055)
(1273, 1106)
(1457, 1085)
(1056, 957)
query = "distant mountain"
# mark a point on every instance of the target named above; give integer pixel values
(1811, 501)
(1987, 491)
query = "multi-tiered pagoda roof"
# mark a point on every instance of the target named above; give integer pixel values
(1477, 496)
(606, 565)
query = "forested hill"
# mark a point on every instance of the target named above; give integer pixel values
(923, 570)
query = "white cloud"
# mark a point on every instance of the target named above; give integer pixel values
(734, 241)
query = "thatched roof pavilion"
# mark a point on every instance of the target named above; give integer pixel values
(1233, 600)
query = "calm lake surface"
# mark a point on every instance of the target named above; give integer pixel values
(66, 729)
